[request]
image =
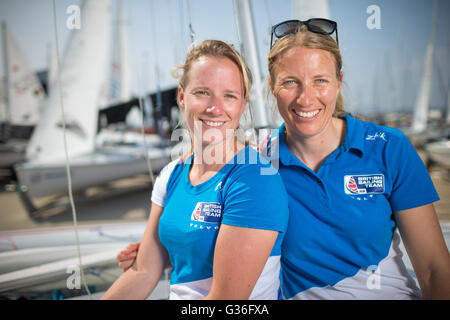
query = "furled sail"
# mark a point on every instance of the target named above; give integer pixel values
(120, 73)
(423, 99)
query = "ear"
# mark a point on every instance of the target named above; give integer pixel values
(340, 81)
(180, 97)
(271, 85)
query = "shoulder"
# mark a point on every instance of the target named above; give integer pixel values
(370, 129)
(166, 172)
(376, 137)
(159, 191)
(253, 167)
(254, 176)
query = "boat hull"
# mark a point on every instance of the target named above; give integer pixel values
(45, 179)
(439, 152)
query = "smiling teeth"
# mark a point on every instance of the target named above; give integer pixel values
(213, 124)
(306, 114)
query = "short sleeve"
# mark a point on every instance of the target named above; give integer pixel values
(159, 192)
(412, 185)
(253, 200)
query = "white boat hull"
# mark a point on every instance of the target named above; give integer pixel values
(439, 152)
(41, 179)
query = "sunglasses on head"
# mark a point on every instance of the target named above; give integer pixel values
(316, 25)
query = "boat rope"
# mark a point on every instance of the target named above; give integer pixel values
(191, 29)
(69, 179)
(141, 106)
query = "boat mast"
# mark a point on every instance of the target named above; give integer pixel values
(7, 111)
(246, 35)
(124, 76)
(306, 9)
(422, 103)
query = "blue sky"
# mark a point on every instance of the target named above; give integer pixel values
(382, 67)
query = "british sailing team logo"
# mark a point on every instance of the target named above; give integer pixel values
(364, 184)
(210, 212)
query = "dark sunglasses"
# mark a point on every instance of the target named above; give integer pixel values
(316, 25)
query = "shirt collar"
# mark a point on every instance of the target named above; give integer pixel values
(354, 135)
(353, 140)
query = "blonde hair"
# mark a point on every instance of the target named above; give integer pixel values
(307, 39)
(216, 49)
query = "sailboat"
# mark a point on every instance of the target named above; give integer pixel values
(439, 152)
(21, 101)
(81, 77)
(37, 256)
(118, 96)
(420, 133)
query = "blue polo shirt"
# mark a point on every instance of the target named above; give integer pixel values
(341, 241)
(238, 195)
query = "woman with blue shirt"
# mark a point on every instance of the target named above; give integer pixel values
(351, 184)
(214, 218)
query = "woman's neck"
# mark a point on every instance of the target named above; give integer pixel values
(313, 151)
(209, 159)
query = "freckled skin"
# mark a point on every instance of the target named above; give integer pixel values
(306, 82)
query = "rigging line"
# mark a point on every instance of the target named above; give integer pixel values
(191, 30)
(69, 179)
(141, 108)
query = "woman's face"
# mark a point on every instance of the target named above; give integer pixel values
(213, 98)
(306, 89)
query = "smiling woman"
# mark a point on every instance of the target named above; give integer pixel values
(219, 224)
(350, 184)
(208, 78)
(213, 100)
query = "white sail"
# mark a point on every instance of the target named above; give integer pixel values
(25, 95)
(52, 66)
(120, 70)
(423, 99)
(306, 9)
(81, 72)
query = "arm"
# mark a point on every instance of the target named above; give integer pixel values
(140, 280)
(239, 258)
(423, 240)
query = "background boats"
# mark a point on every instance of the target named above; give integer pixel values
(109, 170)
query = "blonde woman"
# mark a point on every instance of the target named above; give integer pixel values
(214, 218)
(351, 184)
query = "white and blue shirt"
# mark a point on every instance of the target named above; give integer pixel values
(238, 195)
(341, 241)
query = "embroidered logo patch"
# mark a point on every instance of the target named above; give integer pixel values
(377, 135)
(210, 212)
(364, 184)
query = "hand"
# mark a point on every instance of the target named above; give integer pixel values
(127, 256)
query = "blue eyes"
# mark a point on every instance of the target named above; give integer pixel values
(290, 83)
(205, 93)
